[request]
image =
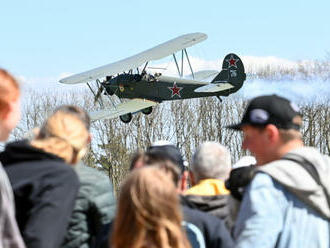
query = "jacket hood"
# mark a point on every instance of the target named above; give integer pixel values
(298, 180)
(22, 151)
(209, 195)
(211, 204)
(216, 205)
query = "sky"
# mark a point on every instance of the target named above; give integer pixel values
(42, 40)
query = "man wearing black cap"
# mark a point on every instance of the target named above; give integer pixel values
(214, 231)
(287, 202)
(164, 150)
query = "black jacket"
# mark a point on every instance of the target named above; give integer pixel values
(216, 205)
(45, 189)
(213, 229)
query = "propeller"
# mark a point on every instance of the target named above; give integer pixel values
(98, 93)
(100, 90)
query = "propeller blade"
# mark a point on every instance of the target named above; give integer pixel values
(98, 94)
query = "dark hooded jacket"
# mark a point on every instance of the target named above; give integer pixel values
(45, 188)
(209, 196)
(215, 205)
(94, 208)
(213, 229)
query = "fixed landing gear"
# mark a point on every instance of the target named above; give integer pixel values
(147, 111)
(126, 118)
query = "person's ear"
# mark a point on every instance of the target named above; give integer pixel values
(272, 133)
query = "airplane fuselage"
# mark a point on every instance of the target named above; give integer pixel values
(159, 88)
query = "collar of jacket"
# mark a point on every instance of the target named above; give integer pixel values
(208, 187)
(19, 151)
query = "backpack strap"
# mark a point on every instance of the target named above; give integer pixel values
(310, 168)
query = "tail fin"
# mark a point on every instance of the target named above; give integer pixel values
(232, 72)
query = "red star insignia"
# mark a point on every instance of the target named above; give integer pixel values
(232, 61)
(175, 90)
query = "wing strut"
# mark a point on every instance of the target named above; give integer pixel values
(192, 73)
(180, 72)
(182, 63)
(177, 66)
(145, 66)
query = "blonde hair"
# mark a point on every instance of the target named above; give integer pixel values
(65, 135)
(9, 91)
(148, 214)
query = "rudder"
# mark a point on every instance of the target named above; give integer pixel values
(232, 72)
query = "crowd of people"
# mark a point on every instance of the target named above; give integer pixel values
(280, 197)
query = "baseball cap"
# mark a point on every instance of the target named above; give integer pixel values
(271, 109)
(166, 150)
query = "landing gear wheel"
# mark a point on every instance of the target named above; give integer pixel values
(147, 111)
(126, 118)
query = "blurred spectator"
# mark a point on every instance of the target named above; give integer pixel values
(163, 150)
(10, 236)
(210, 167)
(287, 202)
(213, 229)
(137, 160)
(240, 176)
(44, 185)
(148, 213)
(95, 204)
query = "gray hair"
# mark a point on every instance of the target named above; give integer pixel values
(211, 160)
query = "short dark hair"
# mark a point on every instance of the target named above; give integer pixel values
(164, 152)
(166, 165)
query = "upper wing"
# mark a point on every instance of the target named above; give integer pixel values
(122, 108)
(215, 87)
(135, 61)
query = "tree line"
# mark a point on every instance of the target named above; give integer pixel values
(185, 123)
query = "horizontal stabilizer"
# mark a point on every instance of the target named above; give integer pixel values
(214, 87)
(203, 75)
(131, 106)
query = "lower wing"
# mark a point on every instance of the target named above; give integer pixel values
(131, 106)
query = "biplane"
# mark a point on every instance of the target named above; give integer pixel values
(128, 79)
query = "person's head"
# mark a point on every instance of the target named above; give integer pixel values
(245, 161)
(163, 151)
(211, 160)
(137, 160)
(148, 213)
(65, 134)
(9, 104)
(270, 127)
